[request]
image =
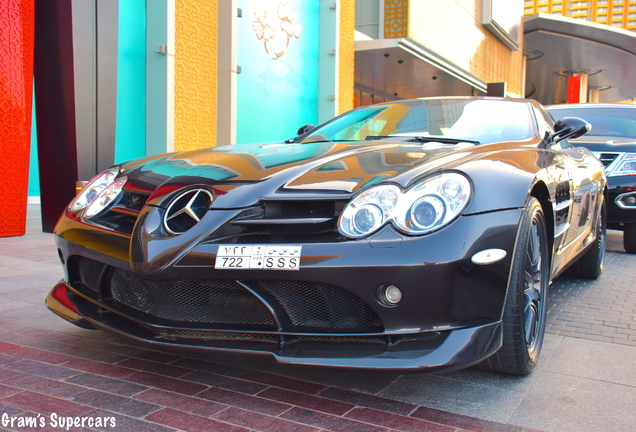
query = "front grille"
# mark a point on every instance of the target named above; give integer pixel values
(315, 305)
(85, 272)
(123, 214)
(607, 158)
(186, 300)
(301, 209)
(288, 221)
(309, 306)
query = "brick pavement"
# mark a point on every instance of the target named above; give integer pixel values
(602, 310)
(93, 375)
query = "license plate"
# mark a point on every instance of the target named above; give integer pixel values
(270, 257)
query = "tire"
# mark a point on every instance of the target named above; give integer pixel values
(590, 265)
(629, 238)
(524, 315)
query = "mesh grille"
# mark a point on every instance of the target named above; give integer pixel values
(205, 301)
(85, 271)
(321, 208)
(321, 306)
(222, 336)
(309, 305)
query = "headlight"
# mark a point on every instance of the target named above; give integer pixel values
(102, 188)
(369, 211)
(626, 165)
(424, 207)
(105, 198)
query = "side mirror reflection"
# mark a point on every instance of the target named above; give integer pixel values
(569, 127)
(305, 128)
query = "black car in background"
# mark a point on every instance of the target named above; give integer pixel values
(612, 140)
(414, 235)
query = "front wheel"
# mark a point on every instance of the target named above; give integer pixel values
(526, 303)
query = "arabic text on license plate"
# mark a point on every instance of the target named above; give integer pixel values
(266, 257)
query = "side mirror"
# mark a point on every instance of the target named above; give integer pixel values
(306, 128)
(569, 127)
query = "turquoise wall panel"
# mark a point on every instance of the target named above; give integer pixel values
(130, 132)
(277, 89)
(34, 167)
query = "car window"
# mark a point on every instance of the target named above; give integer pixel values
(481, 120)
(605, 121)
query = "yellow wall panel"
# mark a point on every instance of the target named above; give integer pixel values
(195, 74)
(346, 59)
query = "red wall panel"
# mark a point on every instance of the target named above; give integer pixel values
(16, 83)
(574, 89)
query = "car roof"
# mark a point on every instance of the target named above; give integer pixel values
(493, 98)
(591, 106)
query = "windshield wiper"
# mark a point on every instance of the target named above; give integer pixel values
(424, 139)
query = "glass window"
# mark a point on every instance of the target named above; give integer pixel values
(485, 121)
(619, 122)
(617, 9)
(601, 18)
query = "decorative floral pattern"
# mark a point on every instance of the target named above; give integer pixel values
(276, 27)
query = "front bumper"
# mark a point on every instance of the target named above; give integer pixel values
(620, 210)
(449, 317)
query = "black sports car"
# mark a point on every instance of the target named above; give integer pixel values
(613, 140)
(413, 235)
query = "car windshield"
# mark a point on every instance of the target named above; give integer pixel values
(481, 120)
(619, 122)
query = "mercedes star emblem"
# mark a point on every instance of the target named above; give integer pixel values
(187, 210)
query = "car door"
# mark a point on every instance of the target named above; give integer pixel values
(574, 194)
(579, 162)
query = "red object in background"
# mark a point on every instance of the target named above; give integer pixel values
(574, 89)
(16, 74)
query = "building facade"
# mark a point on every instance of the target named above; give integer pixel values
(616, 13)
(411, 48)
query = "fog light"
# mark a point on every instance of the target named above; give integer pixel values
(631, 200)
(488, 256)
(392, 294)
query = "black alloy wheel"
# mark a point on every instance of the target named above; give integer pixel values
(526, 303)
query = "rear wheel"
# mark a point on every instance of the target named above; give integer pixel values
(525, 309)
(629, 238)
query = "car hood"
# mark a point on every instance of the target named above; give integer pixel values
(606, 143)
(269, 170)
